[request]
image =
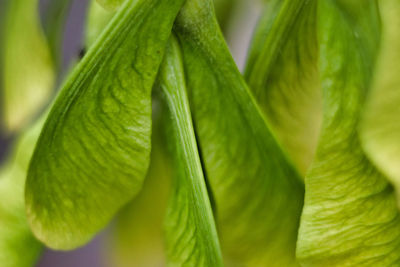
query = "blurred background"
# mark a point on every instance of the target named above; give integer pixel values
(96, 254)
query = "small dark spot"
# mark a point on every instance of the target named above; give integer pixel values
(158, 52)
(82, 53)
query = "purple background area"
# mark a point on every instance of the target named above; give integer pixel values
(88, 256)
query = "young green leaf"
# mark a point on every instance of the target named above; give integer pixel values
(18, 247)
(93, 153)
(350, 216)
(28, 73)
(249, 174)
(282, 73)
(191, 235)
(380, 129)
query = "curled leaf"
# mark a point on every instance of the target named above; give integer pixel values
(191, 235)
(283, 75)
(350, 216)
(250, 177)
(93, 153)
(380, 129)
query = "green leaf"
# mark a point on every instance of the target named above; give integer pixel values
(250, 177)
(223, 11)
(18, 247)
(191, 235)
(350, 216)
(97, 20)
(28, 68)
(93, 153)
(283, 75)
(137, 236)
(110, 4)
(380, 129)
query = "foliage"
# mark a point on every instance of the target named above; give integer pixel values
(292, 163)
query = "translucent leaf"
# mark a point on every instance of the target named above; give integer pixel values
(18, 247)
(282, 73)
(251, 179)
(191, 235)
(350, 216)
(28, 67)
(93, 153)
(381, 128)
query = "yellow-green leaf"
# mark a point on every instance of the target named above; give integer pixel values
(28, 71)
(283, 75)
(137, 236)
(350, 216)
(380, 130)
(93, 153)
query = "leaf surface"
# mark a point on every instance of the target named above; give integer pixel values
(191, 235)
(28, 71)
(137, 235)
(250, 177)
(93, 153)
(380, 128)
(350, 216)
(283, 75)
